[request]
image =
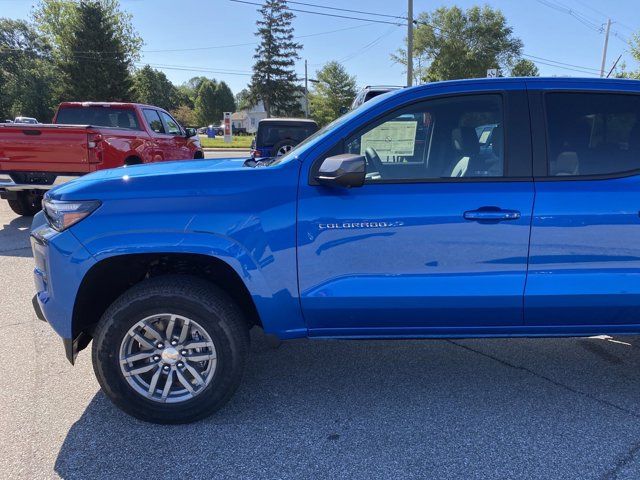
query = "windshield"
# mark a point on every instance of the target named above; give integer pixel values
(330, 126)
(99, 117)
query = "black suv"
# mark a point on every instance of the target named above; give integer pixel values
(277, 136)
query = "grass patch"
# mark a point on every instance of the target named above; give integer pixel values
(243, 141)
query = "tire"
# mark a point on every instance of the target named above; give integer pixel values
(26, 204)
(184, 297)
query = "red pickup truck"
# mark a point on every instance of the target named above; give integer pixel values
(85, 137)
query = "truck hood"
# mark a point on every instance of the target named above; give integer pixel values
(167, 179)
(166, 168)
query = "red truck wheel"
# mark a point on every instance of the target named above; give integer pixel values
(26, 204)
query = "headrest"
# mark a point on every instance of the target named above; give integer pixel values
(465, 141)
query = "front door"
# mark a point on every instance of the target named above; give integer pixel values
(176, 138)
(437, 238)
(585, 241)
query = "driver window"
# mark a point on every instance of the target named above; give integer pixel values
(456, 137)
(172, 126)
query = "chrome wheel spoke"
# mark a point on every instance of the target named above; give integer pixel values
(154, 381)
(154, 333)
(136, 356)
(167, 386)
(140, 370)
(185, 331)
(200, 357)
(183, 380)
(170, 326)
(143, 341)
(196, 375)
(199, 344)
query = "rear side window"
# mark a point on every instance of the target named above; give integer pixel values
(153, 120)
(109, 117)
(592, 133)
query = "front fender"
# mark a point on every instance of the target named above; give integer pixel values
(277, 307)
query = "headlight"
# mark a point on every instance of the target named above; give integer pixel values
(62, 214)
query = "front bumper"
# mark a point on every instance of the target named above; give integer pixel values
(7, 184)
(61, 262)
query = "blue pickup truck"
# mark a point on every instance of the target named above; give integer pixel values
(478, 208)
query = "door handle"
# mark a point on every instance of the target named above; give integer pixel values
(491, 215)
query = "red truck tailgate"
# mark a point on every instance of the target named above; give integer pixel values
(45, 148)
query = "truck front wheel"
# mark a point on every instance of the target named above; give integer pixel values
(172, 349)
(26, 203)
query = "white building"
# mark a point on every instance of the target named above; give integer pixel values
(249, 118)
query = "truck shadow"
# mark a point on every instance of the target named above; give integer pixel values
(374, 409)
(14, 237)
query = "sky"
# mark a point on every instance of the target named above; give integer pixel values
(215, 38)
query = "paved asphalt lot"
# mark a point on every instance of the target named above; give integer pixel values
(229, 153)
(472, 409)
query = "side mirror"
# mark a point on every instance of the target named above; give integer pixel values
(343, 110)
(190, 132)
(346, 170)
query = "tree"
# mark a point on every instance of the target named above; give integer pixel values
(185, 115)
(95, 45)
(334, 91)
(226, 99)
(525, 68)
(28, 74)
(152, 87)
(453, 43)
(207, 109)
(621, 70)
(274, 78)
(243, 100)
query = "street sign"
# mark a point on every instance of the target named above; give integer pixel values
(228, 129)
(492, 73)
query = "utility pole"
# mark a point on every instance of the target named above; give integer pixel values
(306, 91)
(409, 43)
(604, 50)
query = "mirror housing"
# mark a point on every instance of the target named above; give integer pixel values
(190, 132)
(343, 110)
(345, 170)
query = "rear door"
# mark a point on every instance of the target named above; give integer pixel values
(584, 263)
(438, 236)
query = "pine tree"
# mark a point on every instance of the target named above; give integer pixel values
(274, 78)
(226, 98)
(97, 64)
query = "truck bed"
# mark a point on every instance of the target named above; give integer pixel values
(45, 148)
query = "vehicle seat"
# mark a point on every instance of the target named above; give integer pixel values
(566, 164)
(123, 120)
(465, 141)
(489, 163)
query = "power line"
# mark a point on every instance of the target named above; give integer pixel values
(325, 14)
(347, 10)
(560, 63)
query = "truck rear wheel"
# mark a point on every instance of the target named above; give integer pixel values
(172, 349)
(26, 204)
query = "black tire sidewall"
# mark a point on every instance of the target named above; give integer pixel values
(26, 204)
(115, 324)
